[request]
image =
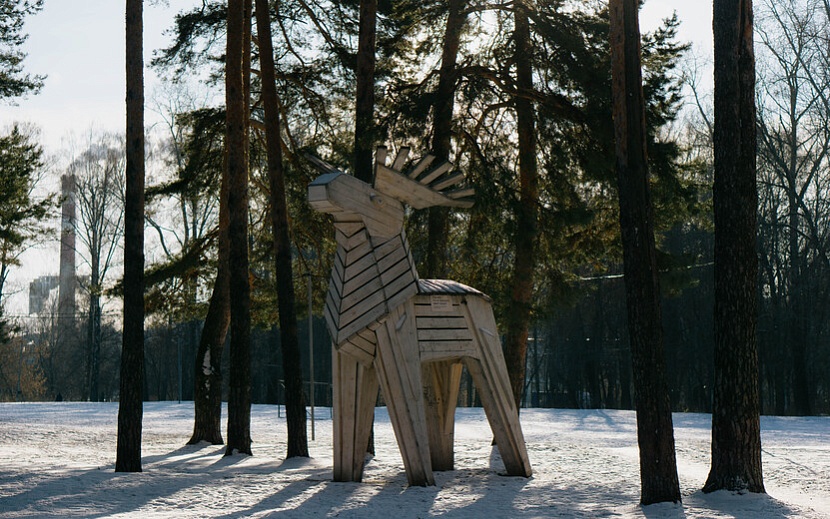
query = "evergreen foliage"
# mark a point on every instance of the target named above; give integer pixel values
(13, 81)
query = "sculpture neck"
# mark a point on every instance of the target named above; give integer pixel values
(371, 275)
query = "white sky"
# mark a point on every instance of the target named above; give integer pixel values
(79, 45)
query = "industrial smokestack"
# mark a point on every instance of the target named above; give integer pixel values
(68, 283)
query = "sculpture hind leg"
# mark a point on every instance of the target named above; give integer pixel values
(490, 377)
(442, 380)
(355, 389)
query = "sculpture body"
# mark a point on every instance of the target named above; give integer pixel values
(408, 335)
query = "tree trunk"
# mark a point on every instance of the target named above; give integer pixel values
(94, 338)
(736, 436)
(239, 395)
(295, 401)
(207, 388)
(655, 435)
(365, 130)
(438, 217)
(524, 239)
(130, 409)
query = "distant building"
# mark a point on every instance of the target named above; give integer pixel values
(39, 290)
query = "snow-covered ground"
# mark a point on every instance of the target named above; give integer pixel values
(57, 459)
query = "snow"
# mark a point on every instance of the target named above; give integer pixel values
(57, 460)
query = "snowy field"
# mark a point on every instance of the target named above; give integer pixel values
(57, 459)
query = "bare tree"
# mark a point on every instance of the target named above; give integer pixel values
(98, 173)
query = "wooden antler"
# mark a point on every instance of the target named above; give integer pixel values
(421, 187)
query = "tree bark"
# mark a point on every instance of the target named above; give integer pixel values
(289, 340)
(207, 388)
(438, 217)
(524, 238)
(736, 436)
(365, 132)
(655, 434)
(239, 395)
(130, 408)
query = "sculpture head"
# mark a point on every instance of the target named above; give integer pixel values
(350, 199)
(381, 206)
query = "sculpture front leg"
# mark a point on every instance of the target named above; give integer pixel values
(355, 390)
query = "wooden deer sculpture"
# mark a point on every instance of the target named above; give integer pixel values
(409, 335)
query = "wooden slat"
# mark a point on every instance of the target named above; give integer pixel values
(422, 165)
(355, 388)
(400, 158)
(405, 293)
(349, 243)
(461, 193)
(361, 342)
(366, 294)
(365, 357)
(399, 371)
(442, 322)
(349, 193)
(349, 229)
(489, 374)
(449, 181)
(408, 191)
(435, 173)
(444, 334)
(424, 309)
(363, 278)
(441, 385)
(349, 328)
(380, 154)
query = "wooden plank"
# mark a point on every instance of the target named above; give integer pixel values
(489, 374)
(448, 181)
(351, 242)
(383, 215)
(393, 266)
(422, 165)
(361, 342)
(423, 308)
(354, 388)
(442, 322)
(364, 357)
(361, 250)
(347, 329)
(380, 154)
(400, 158)
(385, 247)
(399, 370)
(369, 293)
(365, 277)
(364, 307)
(400, 297)
(441, 384)
(442, 334)
(394, 257)
(318, 199)
(436, 172)
(461, 193)
(408, 191)
(440, 350)
(349, 229)
(403, 281)
(331, 322)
